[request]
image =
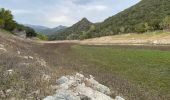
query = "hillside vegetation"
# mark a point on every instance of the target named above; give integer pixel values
(77, 31)
(45, 30)
(147, 15)
(8, 23)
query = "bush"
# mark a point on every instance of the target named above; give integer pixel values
(42, 37)
(1, 23)
(73, 37)
(166, 23)
(142, 27)
(29, 32)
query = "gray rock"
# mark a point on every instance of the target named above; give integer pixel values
(62, 80)
(78, 87)
(119, 98)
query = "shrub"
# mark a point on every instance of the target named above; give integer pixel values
(166, 23)
(42, 37)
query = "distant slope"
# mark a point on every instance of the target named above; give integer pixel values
(37, 28)
(45, 30)
(51, 31)
(74, 31)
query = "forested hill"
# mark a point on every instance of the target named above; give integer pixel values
(144, 16)
(147, 15)
(46, 30)
(74, 32)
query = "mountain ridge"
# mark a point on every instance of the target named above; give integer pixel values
(146, 11)
(46, 30)
(147, 15)
(74, 31)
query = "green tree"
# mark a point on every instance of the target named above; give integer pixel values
(30, 32)
(122, 29)
(84, 35)
(92, 28)
(73, 37)
(7, 17)
(142, 27)
(1, 23)
(147, 27)
(42, 37)
(166, 23)
(88, 34)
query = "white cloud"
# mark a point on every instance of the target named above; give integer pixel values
(58, 19)
(63, 12)
(96, 8)
(21, 11)
(82, 2)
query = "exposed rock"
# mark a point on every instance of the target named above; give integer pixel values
(2, 48)
(18, 52)
(2, 94)
(10, 71)
(62, 80)
(99, 87)
(8, 91)
(78, 87)
(30, 57)
(119, 98)
(21, 34)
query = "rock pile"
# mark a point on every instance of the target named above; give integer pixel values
(78, 87)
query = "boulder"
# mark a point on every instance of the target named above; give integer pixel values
(78, 87)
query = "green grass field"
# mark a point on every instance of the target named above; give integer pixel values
(146, 68)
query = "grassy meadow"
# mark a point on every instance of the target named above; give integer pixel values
(148, 69)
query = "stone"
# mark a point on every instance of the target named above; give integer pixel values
(119, 98)
(78, 87)
(62, 80)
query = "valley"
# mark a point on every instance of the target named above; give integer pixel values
(85, 50)
(133, 72)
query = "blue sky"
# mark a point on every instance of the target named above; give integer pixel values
(52, 13)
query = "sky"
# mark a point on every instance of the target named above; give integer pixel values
(52, 13)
